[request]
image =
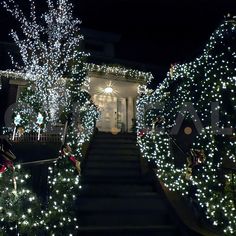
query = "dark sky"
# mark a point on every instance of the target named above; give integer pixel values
(155, 32)
(158, 32)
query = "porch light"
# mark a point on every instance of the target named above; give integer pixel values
(108, 90)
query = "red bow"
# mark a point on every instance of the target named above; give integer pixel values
(3, 169)
(141, 133)
(5, 165)
(73, 160)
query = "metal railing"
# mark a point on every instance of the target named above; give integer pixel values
(40, 162)
(33, 138)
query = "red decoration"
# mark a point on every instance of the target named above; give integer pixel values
(66, 152)
(6, 164)
(73, 160)
(141, 133)
(76, 163)
(3, 169)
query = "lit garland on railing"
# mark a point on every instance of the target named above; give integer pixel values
(210, 78)
(76, 136)
(63, 178)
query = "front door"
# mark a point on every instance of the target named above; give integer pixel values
(108, 109)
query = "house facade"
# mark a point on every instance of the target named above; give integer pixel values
(113, 89)
(115, 95)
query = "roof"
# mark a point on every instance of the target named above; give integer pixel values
(116, 71)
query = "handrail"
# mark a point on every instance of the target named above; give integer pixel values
(40, 162)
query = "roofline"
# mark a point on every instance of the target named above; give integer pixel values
(115, 71)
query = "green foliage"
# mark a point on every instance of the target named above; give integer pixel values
(60, 215)
(209, 78)
(28, 107)
(20, 210)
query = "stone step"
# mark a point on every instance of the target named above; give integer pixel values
(116, 140)
(110, 151)
(116, 189)
(110, 173)
(114, 147)
(112, 141)
(151, 202)
(115, 180)
(113, 157)
(136, 218)
(125, 145)
(116, 194)
(112, 165)
(112, 136)
(148, 230)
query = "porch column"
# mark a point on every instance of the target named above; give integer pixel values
(130, 114)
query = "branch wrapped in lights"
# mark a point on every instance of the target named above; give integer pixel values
(51, 64)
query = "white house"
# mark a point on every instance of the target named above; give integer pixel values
(113, 88)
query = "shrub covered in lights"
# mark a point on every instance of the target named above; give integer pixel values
(19, 206)
(207, 84)
(60, 216)
(28, 107)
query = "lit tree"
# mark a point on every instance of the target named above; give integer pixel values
(48, 47)
(209, 78)
(19, 206)
(50, 52)
(60, 215)
(63, 179)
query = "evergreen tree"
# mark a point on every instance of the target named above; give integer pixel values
(19, 206)
(208, 85)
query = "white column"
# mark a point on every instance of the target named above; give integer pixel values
(130, 113)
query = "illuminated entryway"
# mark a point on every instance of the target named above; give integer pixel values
(116, 98)
(113, 113)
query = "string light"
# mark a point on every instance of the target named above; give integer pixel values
(19, 208)
(209, 78)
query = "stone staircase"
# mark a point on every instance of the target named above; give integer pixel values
(117, 198)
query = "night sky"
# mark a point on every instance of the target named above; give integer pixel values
(157, 32)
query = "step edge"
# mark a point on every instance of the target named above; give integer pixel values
(118, 228)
